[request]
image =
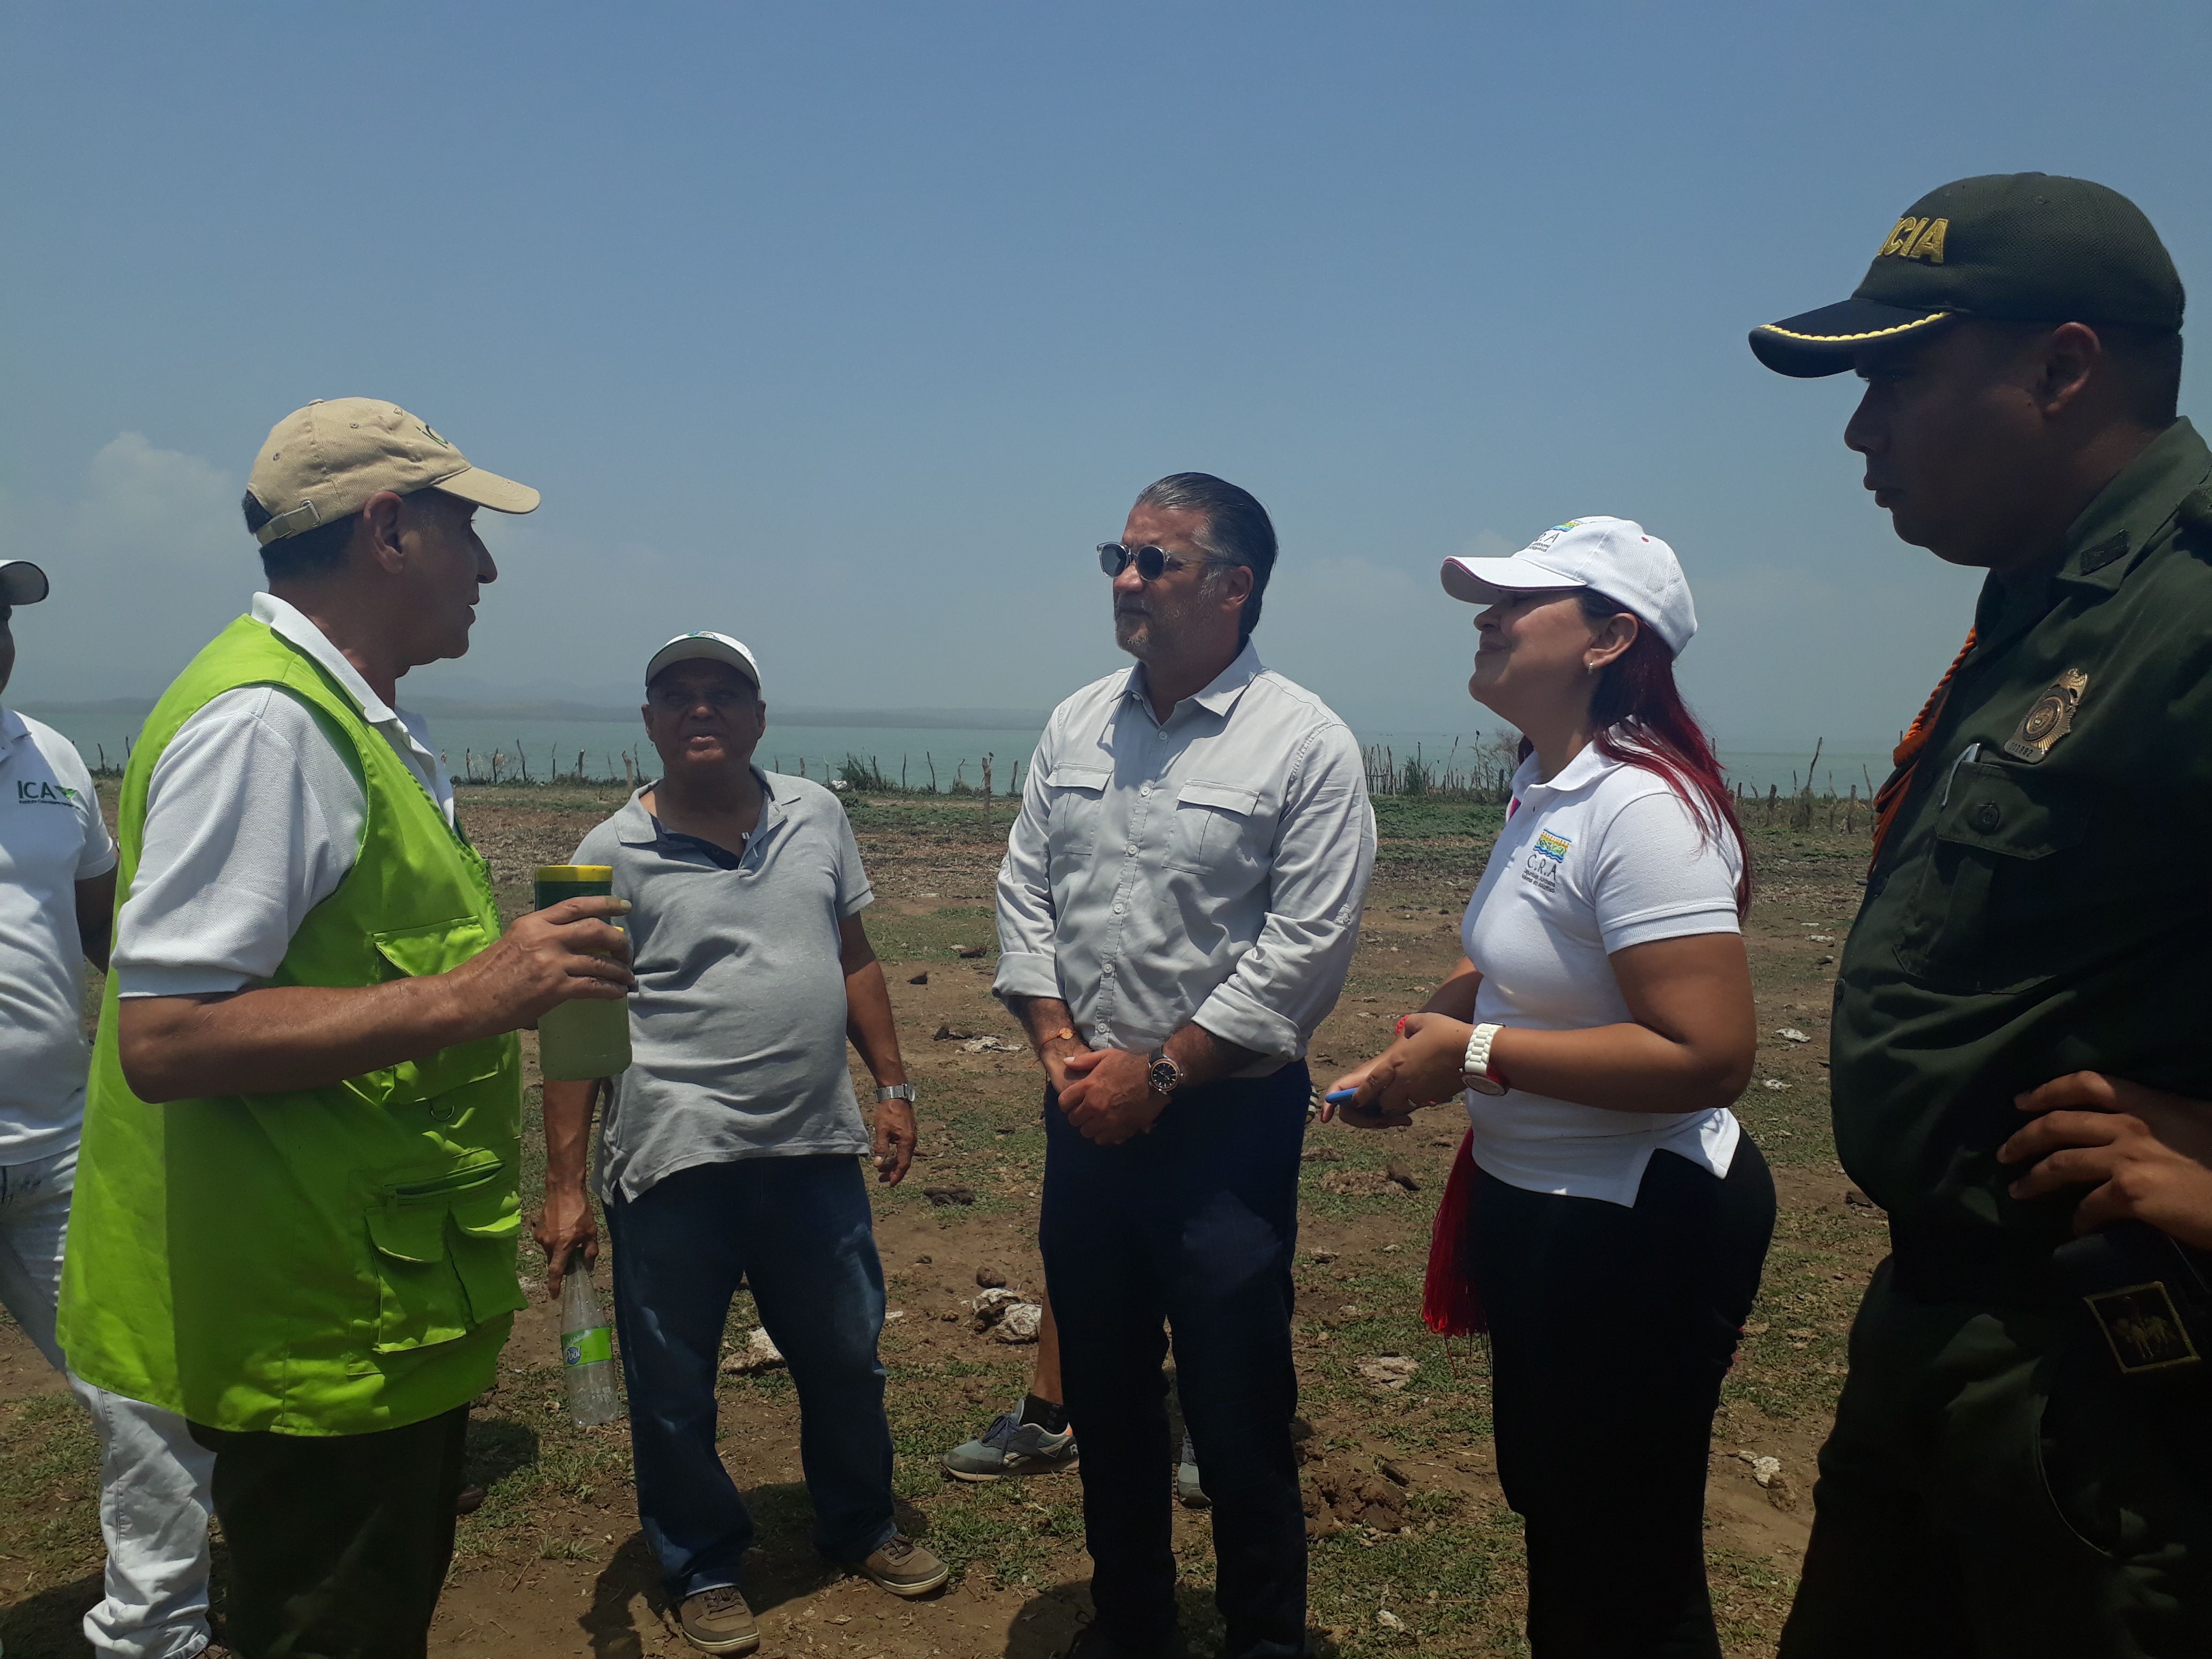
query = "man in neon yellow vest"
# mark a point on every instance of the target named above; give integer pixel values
(296, 1203)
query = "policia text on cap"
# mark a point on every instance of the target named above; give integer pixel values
(296, 1219)
(2022, 1463)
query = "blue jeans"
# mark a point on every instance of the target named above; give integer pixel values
(1192, 1227)
(798, 1230)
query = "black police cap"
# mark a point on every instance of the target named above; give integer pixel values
(2027, 246)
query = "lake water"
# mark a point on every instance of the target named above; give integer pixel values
(916, 754)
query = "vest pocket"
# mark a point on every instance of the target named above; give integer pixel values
(436, 947)
(443, 1255)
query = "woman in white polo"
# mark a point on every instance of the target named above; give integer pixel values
(1616, 1217)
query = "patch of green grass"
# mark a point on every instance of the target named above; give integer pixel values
(935, 936)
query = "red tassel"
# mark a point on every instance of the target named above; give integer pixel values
(1452, 1302)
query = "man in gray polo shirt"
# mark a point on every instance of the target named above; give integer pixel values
(730, 1149)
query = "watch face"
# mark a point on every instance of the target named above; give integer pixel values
(1485, 1085)
(1163, 1076)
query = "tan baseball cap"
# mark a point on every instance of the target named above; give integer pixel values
(324, 461)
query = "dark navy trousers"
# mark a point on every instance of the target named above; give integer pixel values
(799, 1230)
(1189, 1230)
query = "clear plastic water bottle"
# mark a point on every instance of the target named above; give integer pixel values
(587, 1349)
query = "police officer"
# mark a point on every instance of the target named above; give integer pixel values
(2022, 1462)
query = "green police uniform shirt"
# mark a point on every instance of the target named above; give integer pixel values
(2043, 903)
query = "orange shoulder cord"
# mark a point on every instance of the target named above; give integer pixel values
(1891, 795)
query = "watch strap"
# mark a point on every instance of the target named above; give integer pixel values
(895, 1091)
(1477, 1062)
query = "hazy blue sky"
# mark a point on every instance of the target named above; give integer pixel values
(850, 328)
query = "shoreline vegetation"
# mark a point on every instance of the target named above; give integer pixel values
(1478, 773)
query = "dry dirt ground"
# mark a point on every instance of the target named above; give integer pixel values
(1406, 1513)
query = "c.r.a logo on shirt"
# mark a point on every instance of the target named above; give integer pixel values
(39, 792)
(1541, 867)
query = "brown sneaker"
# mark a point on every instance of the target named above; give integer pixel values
(904, 1567)
(717, 1621)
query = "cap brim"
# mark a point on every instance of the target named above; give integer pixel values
(1825, 342)
(1486, 581)
(490, 490)
(699, 651)
(22, 582)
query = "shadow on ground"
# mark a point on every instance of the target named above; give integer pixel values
(1049, 1621)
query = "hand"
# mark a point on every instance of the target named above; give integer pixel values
(1108, 1097)
(564, 1227)
(896, 1139)
(565, 952)
(1349, 1111)
(2145, 1155)
(1420, 1069)
(1055, 1055)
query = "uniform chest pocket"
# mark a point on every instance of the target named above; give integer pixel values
(1074, 798)
(1217, 828)
(1984, 912)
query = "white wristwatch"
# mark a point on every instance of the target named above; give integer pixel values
(895, 1091)
(1477, 1073)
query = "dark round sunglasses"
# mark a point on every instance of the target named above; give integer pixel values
(1151, 563)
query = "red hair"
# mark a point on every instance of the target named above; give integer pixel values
(1640, 719)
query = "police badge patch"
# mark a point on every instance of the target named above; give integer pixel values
(2144, 1329)
(2049, 720)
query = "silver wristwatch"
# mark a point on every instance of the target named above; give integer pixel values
(1165, 1076)
(895, 1091)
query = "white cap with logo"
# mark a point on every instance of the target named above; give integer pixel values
(715, 648)
(1639, 573)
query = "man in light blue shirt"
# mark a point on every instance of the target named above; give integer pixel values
(1177, 912)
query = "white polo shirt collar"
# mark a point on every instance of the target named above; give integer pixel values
(1590, 764)
(400, 729)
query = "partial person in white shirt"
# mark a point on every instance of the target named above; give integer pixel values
(56, 906)
(1610, 1212)
(1177, 911)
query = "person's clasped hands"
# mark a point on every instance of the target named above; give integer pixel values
(1421, 1068)
(2145, 1154)
(1107, 1097)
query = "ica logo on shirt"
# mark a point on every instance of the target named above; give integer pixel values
(37, 792)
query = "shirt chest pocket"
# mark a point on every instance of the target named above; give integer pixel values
(1074, 802)
(1219, 828)
(1987, 911)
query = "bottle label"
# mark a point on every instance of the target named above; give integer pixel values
(585, 1348)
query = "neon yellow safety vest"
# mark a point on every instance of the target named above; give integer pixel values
(331, 1261)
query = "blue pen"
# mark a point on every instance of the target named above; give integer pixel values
(1341, 1096)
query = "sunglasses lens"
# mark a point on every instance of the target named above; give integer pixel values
(1114, 559)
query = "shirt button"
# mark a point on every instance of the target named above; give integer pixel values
(1988, 816)
(1147, 790)
(1117, 909)
(1131, 849)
